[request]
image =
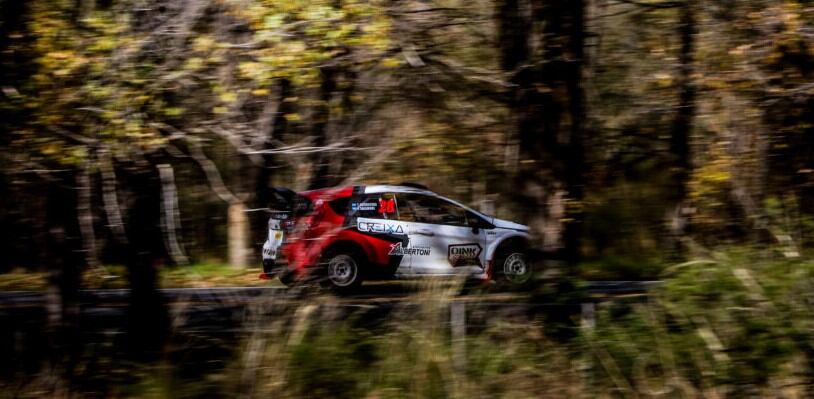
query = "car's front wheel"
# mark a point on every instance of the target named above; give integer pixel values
(512, 266)
(343, 270)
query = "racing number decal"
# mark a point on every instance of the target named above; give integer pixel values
(387, 206)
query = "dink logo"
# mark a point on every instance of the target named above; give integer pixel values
(464, 255)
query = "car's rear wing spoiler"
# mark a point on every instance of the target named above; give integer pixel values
(285, 202)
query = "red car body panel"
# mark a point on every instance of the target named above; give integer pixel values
(324, 227)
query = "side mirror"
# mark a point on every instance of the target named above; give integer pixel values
(476, 223)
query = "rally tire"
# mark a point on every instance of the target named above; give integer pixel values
(513, 268)
(288, 278)
(342, 269)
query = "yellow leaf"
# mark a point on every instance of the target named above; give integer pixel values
(228, 97)
(391, 62)
(173, 111)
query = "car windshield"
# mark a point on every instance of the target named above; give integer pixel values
(468, 208)
(430, 209)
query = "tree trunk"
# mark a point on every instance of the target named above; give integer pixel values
(575, 153)
(513, 34)
(321, 167)
(170, 216)
(65, 248)
(148, 320)
(238, 234)
(85, 214)
(277, 127)
(530, 187)
(548, 102)
(680, 133)
(341, 163)
(110, 198)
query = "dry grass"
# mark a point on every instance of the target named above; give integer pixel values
(318, 351)
(203, 275)
(22, 280)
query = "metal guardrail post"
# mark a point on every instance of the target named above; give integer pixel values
(588, 318)
(587, 325)
(457, 318)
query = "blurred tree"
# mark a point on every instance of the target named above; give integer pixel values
(603, 110)
(683, 122)
(548, 100)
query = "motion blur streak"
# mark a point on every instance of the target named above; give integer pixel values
(144, 143)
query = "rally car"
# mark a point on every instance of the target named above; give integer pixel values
(343, 236)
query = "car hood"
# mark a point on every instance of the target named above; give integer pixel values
(505, 224)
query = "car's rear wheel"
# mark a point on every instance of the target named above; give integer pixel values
(343, 270)
(288, 278)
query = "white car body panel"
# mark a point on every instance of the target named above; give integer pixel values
(446, 242)
(443, 236)
(274, 240)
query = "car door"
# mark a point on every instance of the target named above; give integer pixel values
(376, 217)
(440, 236)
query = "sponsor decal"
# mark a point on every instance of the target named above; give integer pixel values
(363, 206)
(464, 255)
(380, 227)
(269, 253)
(398, 250)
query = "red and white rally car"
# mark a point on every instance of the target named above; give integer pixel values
(345, 235)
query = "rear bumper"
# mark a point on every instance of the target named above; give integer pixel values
(272, 268)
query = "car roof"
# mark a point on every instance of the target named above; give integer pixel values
(346, 191)
(386, 188)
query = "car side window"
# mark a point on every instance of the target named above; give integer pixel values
(376, 206)
(427, 209)
(339, 205)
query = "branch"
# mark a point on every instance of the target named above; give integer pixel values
(426, 10)
(236, 142)
(667, 4)
(110, 198)
(170, 219)
(212, 173)
(471, 73)
(297, 150)
(75, 138)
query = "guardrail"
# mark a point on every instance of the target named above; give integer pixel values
(597, 290)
